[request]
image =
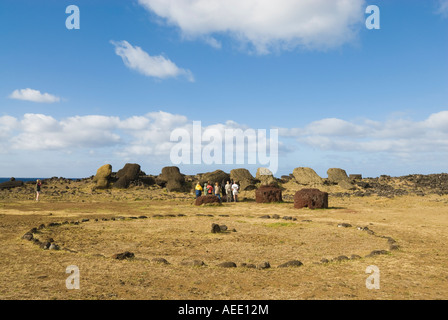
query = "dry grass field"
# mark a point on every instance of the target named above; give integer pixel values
(178, 231)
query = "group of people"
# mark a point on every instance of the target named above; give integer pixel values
(230, 189)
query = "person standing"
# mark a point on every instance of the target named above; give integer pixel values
(218, 191)
(38, 185)
(235, 189)
(228, 189)
(198, 190)
(209, 189)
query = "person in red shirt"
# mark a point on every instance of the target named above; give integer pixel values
(209, 188)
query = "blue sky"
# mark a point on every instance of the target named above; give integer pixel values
(369, 101)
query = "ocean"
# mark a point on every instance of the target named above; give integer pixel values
(27, 179)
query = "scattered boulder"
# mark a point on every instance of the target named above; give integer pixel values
(268, 194)
(123, 256)
(244, 178)
(130, 172)
(306, 176)
(292, 263)
(265, 176)
(355, 177)
(172, 179)
(102, 177)
(355, 257)
(207, 200)
(311, 198)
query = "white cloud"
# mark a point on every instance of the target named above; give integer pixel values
(265, 24)
(397, 136)
(152, 66)
(34, 96)
(443, 8)
(147, 137)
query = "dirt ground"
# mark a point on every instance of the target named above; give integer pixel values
(177, 231)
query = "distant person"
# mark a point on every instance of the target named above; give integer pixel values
(38, 185)
(235, 189)
(218, 191)
(209, 188)
(228, 189)
(198, 190)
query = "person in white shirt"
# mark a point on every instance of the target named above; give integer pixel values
(235, 189)
(228, 189)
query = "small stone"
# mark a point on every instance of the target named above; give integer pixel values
(53, 246)
(123, 256)
(227, 265)
(394, 247)
(355, 257)
(344, 225)
(160, 260)
(216, 228)
(45, 245)
(341, 258)
(193, 263)
(143, 217)
(292, 263)
(223, 227)
(377, 252)
(28, 236)
(264, 265)
(323, 260)
(265, 217)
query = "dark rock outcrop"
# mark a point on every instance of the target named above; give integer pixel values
(172, 179)
(130, 172)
